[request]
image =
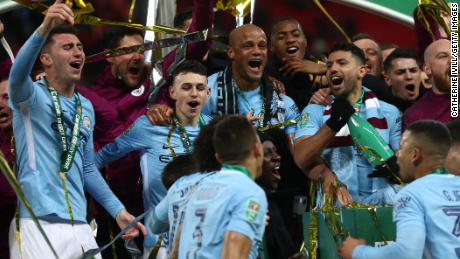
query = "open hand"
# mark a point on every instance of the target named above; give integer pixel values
(293, 66)
(160, 114)
(346, 250)
(123, 219)
(57, 14)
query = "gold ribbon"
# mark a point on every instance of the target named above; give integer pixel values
(42, 8)
(334, 22)
(9, 175)
(156, 248)
(373, 214)
(231, 6)
(278, 125)
(94, 20)
(131, 11)
(82, 17)
(79, 3)
(332, 218)
(168, 42)
(112, 236)
(332, 215)
(433, 9)
(313, 232)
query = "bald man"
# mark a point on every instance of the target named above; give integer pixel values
(426, 211)
(434, 105)
(243, 87)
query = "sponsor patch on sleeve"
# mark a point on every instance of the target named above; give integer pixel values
(304, 119)
(253, 210)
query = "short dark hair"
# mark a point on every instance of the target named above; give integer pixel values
(189, 66)
(203, 149)
(265, 136)
(233, 138)
(399, 53)
(434, 133)
(279, 20)
(113, 36)
(349, 47)
(362, 36)
(60, 29)
(180, 166)
(180, 18)
(454, 128)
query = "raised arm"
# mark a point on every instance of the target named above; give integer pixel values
(308, 147)
(21, 85)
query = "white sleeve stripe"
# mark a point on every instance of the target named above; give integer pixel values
(145, 175)
(372, 103)
(343, 132)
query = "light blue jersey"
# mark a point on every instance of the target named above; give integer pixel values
(342, 155)
(151, 141)
(427, 217)
(227, 201)
(282, 108)
(39, 148)
(171, 209)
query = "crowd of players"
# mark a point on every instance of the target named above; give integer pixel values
(212, 184)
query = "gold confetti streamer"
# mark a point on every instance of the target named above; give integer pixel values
(94, 20)
(336, 24)
(433, 9)
(278, 125)
(82, 17)
(231, 6)
(9, 175)
(131, 11)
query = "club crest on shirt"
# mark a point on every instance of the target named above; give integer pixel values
(304, 118)
(138, 92)
(87, 122)
(253, 210)
(401, 203)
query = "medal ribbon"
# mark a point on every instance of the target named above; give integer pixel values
(68, 153)
(183, 135)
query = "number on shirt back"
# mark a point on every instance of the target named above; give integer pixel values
(200, 213)
(455, 212)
